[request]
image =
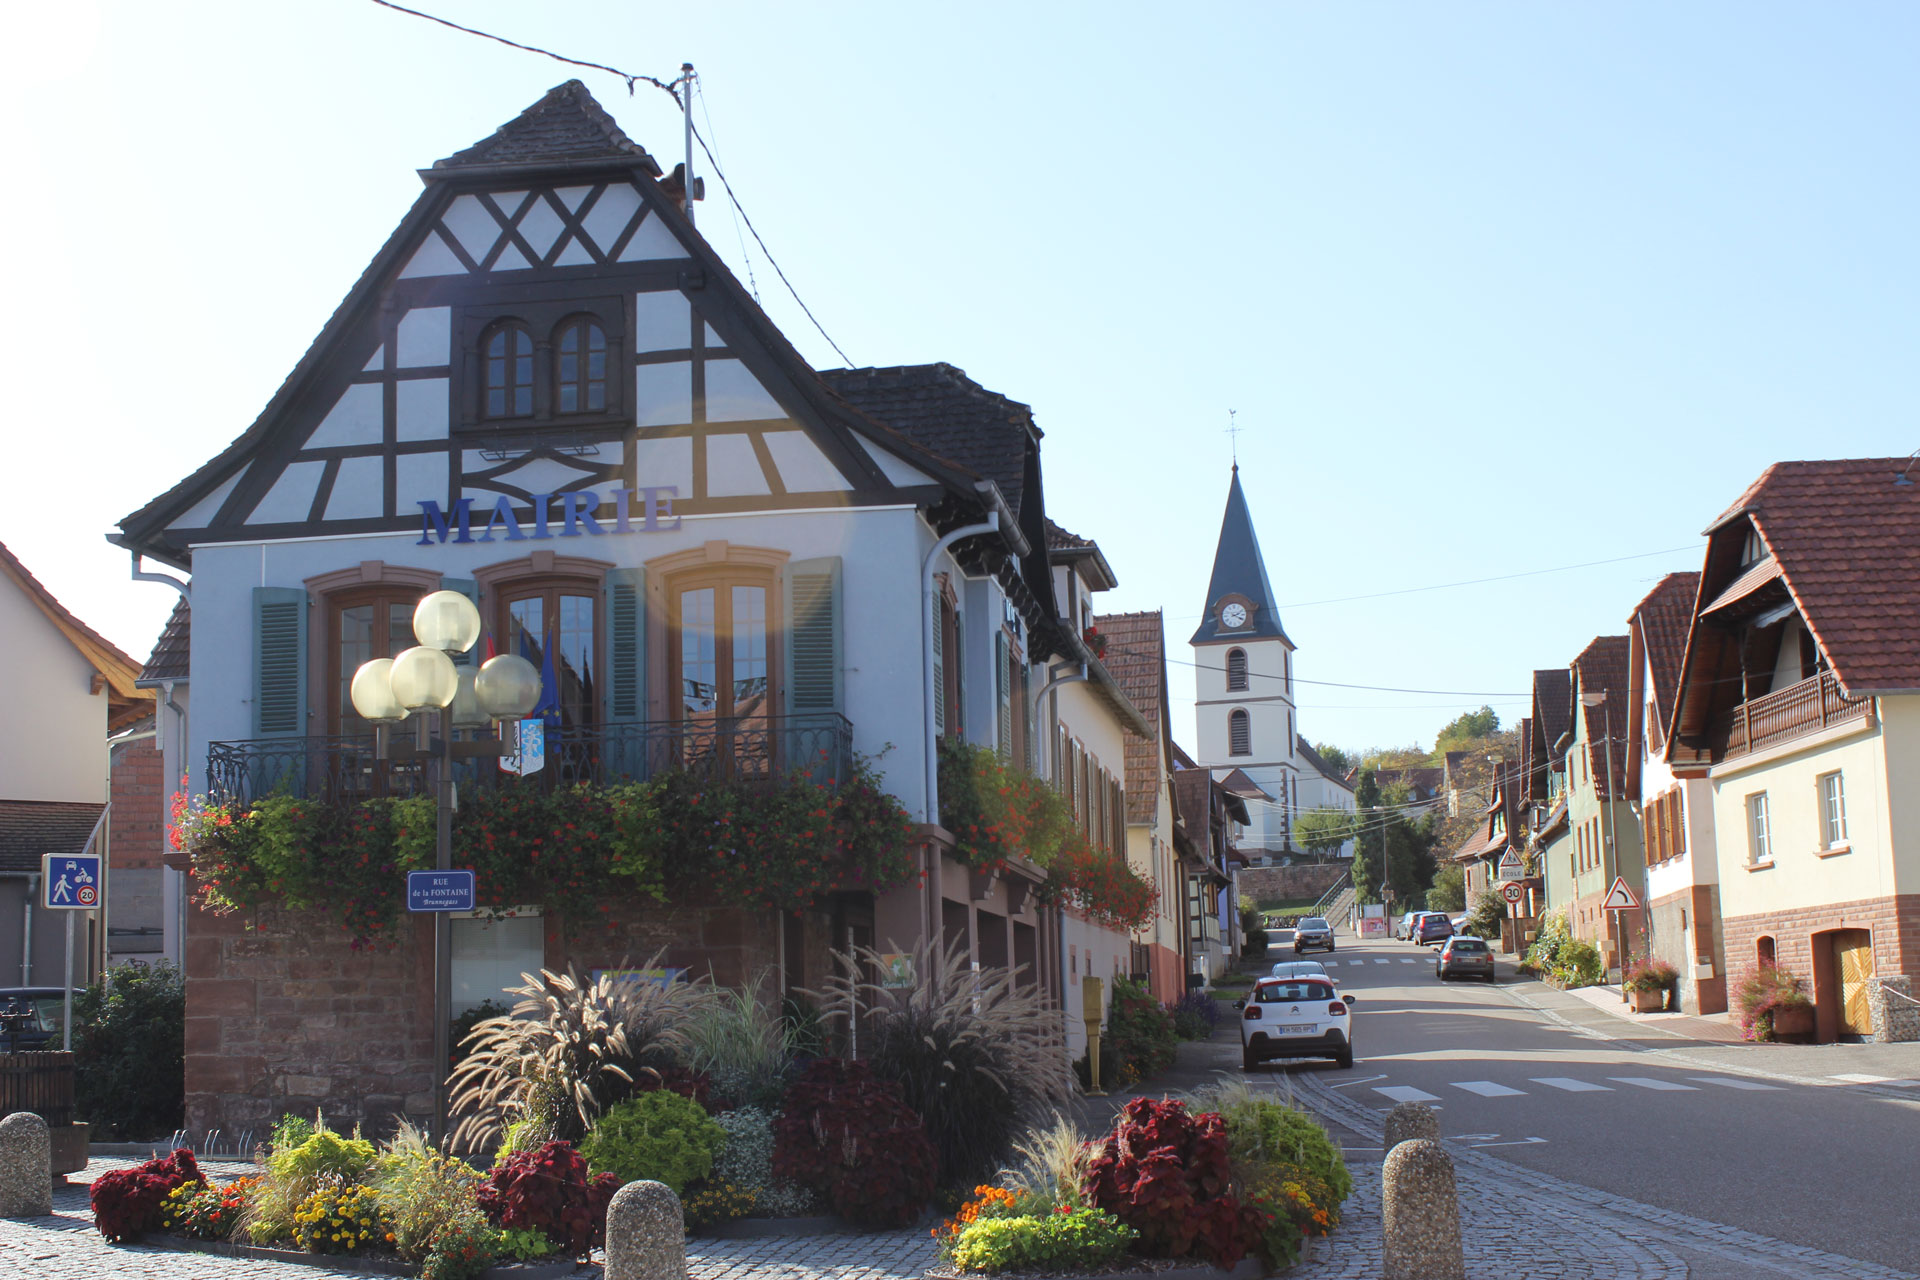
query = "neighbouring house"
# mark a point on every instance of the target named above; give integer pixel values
(1605, 843)
(1321, 786)
(1209, 813)
(167, 676)
(76, 690)
(1501, 831)
(547, 392)
(1799, 707)
(1676, 814)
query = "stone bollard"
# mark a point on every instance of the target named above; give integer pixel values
(1421, 1214)
(26, 1166)
(646, 1234)
(1409, 1120)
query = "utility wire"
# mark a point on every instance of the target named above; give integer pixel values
(686, 105)
(746, 258)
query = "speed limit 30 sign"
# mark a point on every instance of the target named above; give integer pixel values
(1512, 893)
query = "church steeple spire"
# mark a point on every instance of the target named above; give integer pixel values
(1240, 603)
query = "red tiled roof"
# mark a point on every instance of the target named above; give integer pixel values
(1847, 538)
(1745, 585)
(1663, 618)
(1602, 667)
(1137, 659)
(1059, 539)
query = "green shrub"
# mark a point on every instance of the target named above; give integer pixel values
(289, 1131)
(1262, 1132)
(659, 1136)
(295, 1172)
(746, 1164)
(1579, 964)
(1489, 909)
(425, 1193)
(1078, 1240)
(1142, 1033)
(129, 1041)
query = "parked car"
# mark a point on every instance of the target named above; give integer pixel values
(1303, 969)
(1295, 1018)
(1432, 927)
(30, 1017)
(1312, 931)
(1458, 922)
(1463, 957)
(1404, 930)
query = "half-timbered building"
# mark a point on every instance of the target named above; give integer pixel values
(548, 392)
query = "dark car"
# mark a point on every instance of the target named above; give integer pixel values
(30, 1017)
(1312, 932)
(1432, 926)
(1464, 957)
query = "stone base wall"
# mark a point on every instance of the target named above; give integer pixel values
(1896, 1015)
(1308, 880)
(1686, 926)
(1797, 938)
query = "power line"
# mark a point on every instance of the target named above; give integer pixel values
(746, 258)
(685, 105)
(1505, 694)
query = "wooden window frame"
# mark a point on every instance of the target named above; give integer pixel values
(721, 578)
(508, 327)
(549, 587)
(1237, 680)
(585, 323)
(544, 312)
(1242, 744)
(323, 592)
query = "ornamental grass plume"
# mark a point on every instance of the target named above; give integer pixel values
(575, 1044)
(977, 1053)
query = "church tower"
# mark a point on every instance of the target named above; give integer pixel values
(1243, 684)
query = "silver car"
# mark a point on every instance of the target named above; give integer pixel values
(1312, 931)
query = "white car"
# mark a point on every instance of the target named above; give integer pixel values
(1303, 1017)
(1303, 969)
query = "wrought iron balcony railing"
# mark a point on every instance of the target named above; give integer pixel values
(760, 749)
(1802, 708)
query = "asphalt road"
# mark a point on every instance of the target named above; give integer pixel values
(1826, 1166)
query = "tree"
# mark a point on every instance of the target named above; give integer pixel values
(1367, 843)
(1449, 892)
(1323, 831)
(1465, 728)
(129, 1035)
(1337, 758)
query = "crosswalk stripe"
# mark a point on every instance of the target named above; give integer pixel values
(1409, 962)
(1405, 1093)
(1734, 1082)
(1383, 962)
(1488, 1089)
(1856, 1077)
(1658, 1086)
(1571, 1085)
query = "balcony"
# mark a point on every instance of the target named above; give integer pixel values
(1811, 705)
(749, 750)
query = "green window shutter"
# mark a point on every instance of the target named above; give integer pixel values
(471, 590)
(959, 660)
(812, 663)
(939, 666)
(279, 662)
(1003, 696)
(625, 696)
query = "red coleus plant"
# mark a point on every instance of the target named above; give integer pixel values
(127, 1202)
(1164, 1171)
(548, 1191)
(849, 1135)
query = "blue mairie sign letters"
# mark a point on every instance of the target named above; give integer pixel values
(70, 882)
(439, 890)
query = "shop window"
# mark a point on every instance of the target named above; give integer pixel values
(1236, 670)
(507, 351)
(580, 367)
(1239, 733)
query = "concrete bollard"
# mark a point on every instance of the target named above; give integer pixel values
(26, 1166)
(1409, 1120)
(646, 1234)
(1421, 1214)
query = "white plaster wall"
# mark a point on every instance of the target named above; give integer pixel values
(1799, 877)
(1095, 951)
(880, 550)
(58, 750)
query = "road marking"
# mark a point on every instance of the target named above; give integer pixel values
(1405, 1093)
(1571, 1086)
(1658, 1086)
(1348, 1084)
(1734, 1082)
(1488, 1089)
(1522, 1142)
(1383, 962)
(1409, 962)
(1855, 1077)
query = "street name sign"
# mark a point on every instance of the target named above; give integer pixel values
(439, 890)
(1512, 893)
(1620, 898)
(70, 882)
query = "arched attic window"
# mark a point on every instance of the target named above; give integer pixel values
(1239, 733)
(1236, 670)
(580, 366)
(507, 349)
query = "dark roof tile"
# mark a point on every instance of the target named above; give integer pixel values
(1663, 618)
(1137, 659)
(30, 828)
(169, 659)
(566, 125)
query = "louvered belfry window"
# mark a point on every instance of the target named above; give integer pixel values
(1236, 670)
(1239, 733)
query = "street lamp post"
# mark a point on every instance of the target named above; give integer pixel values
(424, 678)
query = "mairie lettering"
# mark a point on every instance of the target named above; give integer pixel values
(568, 514)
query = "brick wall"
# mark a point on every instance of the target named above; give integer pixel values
(136, 828)
(1894, 922)
(1309, 880)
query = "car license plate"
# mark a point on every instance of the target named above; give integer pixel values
(1297, 1028)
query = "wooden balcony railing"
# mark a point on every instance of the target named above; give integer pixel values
(761, 749)
(1799, 709)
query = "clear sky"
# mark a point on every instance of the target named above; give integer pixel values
(1493, 287)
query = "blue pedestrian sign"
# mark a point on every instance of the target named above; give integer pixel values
(439, 890)
(70, 882)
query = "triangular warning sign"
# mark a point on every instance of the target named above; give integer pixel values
(1620, 898)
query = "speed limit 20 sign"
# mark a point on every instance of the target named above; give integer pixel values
(1512, 893)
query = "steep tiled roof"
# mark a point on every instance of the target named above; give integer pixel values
(1305, 751)
(565, 125)
(1137, 658)
(1848, 541)
(1059, 539)
(1192, 792)
(125, 702)
(30, 828)
(944, 411)
(168, 661)
(1552, 705)
(1602, 667)
(1239, 567)
(1663, 618)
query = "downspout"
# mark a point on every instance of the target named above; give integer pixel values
(26, 932)
(168, 876)
(929, 861)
